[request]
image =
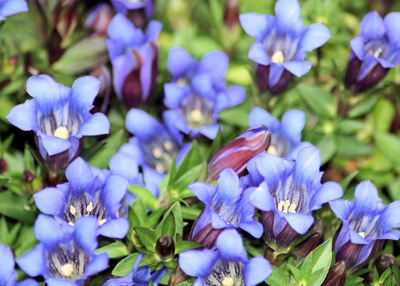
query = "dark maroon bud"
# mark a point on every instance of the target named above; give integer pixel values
(262, 76)
(207, 236)
(65, 18)
(138, 18)
(384, 261)
(336, 275)
(29, 176)
(308, 245)
(99, 19)
(239, 151)
(132, 95)
(3, 165)
(382, 6)
(102, 100)
(231, 14)
(165, 246)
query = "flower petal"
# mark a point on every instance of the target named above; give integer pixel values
(97, 263)
(357, 46)
(84, 91)
(298, 68)
(256, 271)
(392, 23)
(179, 62)
(315, 36)
(307, 164)
(173, 95)
(113, 192)
(7, 272)
(261, 198)
(330, 191)
(198, 263)
(301, 223)
(33, 262)
(341, 208)
(142, 124)
(260, 117)
(214, 63)
(258, 54)
(85, 232)
(254, 24)
(47, 230)
(366, 198)
(372, 26)
(230, 246)
(293, 122)
(97, 124)
(53, 145)
(287, 13)
(79, 175)
(50, 201)
(24, 116)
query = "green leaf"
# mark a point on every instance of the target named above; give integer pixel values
(389, 145)
(190, 213)
(137, 213)
(114, 142)
(4, 180)
(114, 250)
(277, 278)
(16, 207)
(383, 115)
(83, 56)
(364, 106)
(28, 159)
(327, 148)
(147, 197)
(350, 147)
(149, 259)
(318, 99)
(172, 218)
(153, 218)
(168, 226)
(346, 181)
(237, 115)
(315, 266)
(350, 126)
(124, 267)
(147, 237)
(5, 144)
(183, 245)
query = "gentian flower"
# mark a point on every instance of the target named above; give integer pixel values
(367, 223)
(65, 254)
(7, 271)
(239, 151)
(88, 192)
(194, 110)
(134, 57)
(226, 206)
(11, 7)
(138, 11)
(374, 51)
(285, 135)
(226, 265)
(288, 192)
(282, 42)
(60, 117)
(99, 19)
(183, 68)
(140, 276)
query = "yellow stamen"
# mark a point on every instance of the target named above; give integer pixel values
(277, 57)
(228, 281)
(286, 206)
(67, 269)
(181, 81)
(61, 132)
(103, 221)
(292, 208)
(168, 145)
(160, 167)
(196, 115)
(272, 150)
(362, 234)
(71, 223)
(72, 210)
(89, 208)
(157, 153)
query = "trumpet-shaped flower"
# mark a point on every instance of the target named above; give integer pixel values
(60, 117)
(226, 265)
(285, 135)
(288, 192)
(374, 51)
(88, 192)
(282, 42)
(11, 7)
(65, 254)
(366, 224)
(194, 109)
(226, 205)
(134, 57)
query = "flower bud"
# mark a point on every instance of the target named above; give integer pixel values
(262, 76)
(384, 261)
(65, 18)
(239, 151)
(99, 19)
(304, 248)
(102, 101)
(165, 246)
(336, 275)
(382, 6)
(3, 165)
(29, 176)
(231, 14)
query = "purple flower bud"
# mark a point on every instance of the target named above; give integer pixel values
(336, 275)
(165, 246)
(99, 19)
(231, 14)
(239, 151)
(3, 165)
(384, 261)
(102, 101)
(65, 18)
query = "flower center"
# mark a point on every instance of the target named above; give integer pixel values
(226, 274)
(279, 146)
(160, 152)
(197, 111)
(79, 207)
(287, 207)
(181, 81)
(362, 234)
(277, 57)
(61, 132)
(67, 269)
(272, 150)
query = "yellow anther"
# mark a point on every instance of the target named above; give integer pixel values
(292, 208)
(157, 153)
(71, 223)
(228, 281)
(376, 53)
(168, 145)
(181, 81)
(196, 115)
(362, 234)
(103, 221)
(61, 132)
(160, 168)
(89, 208)
(286, 206)
(67, 269)
(72, 210)
(277, 57)
(272, 150)
(117, 214)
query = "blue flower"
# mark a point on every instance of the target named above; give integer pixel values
(140, 276)
(124, 6)
(285, 135)
(60, 117)
(65, 254)
(288, 192)
(153, 148)
(226, 265)
(194, 109)
(282, 42)
(226, 206)
(366, 224)
(134, 57)
(11, 7)
(88, 192)
(374, 51)
(7, 272)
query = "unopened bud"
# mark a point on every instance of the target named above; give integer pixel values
(102, 100)
(165, 246)
(65, 18)
(308, 245)
(3, 165)
(99, 19)
(336, 275)
(384, 261)
(239, 151)
(231, 14)
(29, 176)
